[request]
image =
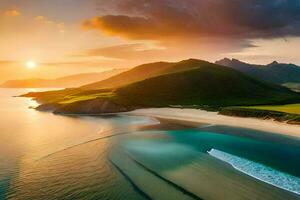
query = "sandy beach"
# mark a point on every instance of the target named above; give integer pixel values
(201, 116)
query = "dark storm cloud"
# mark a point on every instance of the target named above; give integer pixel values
(169, 19)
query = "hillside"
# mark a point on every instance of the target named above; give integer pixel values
(293, 86)
(208, 85)
(143, 72)
(63, 82)
(189, 83)
(274, 72)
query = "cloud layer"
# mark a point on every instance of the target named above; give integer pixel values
(137, 51)
(169, 19)
(12, 13)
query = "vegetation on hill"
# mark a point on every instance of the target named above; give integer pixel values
(189, 83)
(289, 118)
(143, 72)
(209, 84)
(289, 108)
(293, 86)
(136, 74)
(68, 95)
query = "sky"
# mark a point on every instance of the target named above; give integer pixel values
(78, 36)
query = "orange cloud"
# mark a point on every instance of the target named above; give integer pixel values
(127, 52)
(189, 19)
(139, 28)
(12, 13)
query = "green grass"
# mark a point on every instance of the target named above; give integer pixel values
(76, 98)
(290, 118)
(69, 96)
(290, 108)
(208, 85)
(293, 86)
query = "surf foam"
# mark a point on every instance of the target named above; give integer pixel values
(259, 171)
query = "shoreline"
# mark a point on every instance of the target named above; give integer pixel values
(170, 124)
(206, 117)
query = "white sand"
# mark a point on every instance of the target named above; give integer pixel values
(201, 116)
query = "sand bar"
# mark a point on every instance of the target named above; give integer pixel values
(201, 116)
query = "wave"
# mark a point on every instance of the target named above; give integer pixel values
(259, 171)
(179, 188)
(83, 143)
(132, 183)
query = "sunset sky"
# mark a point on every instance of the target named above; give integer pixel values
(75, 36)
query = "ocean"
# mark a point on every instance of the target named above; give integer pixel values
(47, 156)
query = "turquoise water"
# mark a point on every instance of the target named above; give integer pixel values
(46, 156)
(180, 154)
(259, 171)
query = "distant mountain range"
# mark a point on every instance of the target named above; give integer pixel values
(274, 72)
(187, 83)
(63, 82)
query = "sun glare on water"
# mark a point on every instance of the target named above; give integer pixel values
(31, 64)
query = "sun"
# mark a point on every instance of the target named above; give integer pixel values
(31, 64)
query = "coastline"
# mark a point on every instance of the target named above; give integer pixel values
(170, 124)
(206, 117)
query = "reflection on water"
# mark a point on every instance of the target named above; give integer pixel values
(75, 170)
(46, 156)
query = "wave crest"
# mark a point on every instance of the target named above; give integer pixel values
(259, 171)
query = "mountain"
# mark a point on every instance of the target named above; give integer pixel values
(206, 85)
(63, 82)
(274, 72)
(142, 72)
(187, 83)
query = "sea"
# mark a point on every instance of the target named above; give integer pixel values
(44, 156)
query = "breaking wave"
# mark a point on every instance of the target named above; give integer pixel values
(260, 171)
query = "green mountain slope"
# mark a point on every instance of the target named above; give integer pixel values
(293, 86)
(143, 72)
(186, 83)
(208, 84)
(136, 74)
